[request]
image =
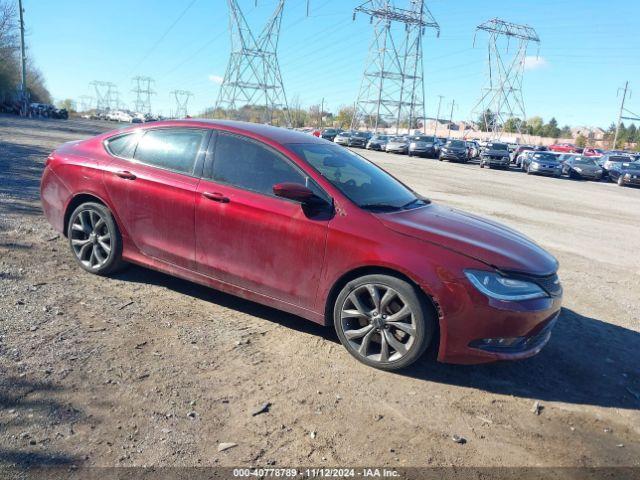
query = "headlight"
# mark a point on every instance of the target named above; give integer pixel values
(428, 145)
(627, 175)
(505, 158)
(413, 145)
(494, 285)
(535, 165)
(577, 169)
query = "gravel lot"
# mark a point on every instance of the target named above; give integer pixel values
(145, 369)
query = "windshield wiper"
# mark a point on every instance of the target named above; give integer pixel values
(416, 202)
(380, 206)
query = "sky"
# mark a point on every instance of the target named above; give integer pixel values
(588, 50)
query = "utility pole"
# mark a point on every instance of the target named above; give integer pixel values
(624, 98)
(23, 64)
(453, 104)
(435, 128)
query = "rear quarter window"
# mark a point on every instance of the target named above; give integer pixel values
(123, 145)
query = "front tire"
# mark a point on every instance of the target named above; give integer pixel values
(94, 239)
(620, 181)
(383, 321)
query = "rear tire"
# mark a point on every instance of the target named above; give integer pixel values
(95, 240)
(383, 321)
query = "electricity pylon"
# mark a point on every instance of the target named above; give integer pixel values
(106, 95)
(182, 100)
(142, 89)
(253, 72)
(392, 89)
(502, 97)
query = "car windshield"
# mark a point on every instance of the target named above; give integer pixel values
(398, 139)
(360, 134)
(421, 138)
(329, 130)
(584, 161)
(381, 137)
(497, 146)
(344, 134)
(359, 180)
(630, 166)
(547, 157)
(456, 144)
(615, 158)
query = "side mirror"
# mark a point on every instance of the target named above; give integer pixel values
(293, 191)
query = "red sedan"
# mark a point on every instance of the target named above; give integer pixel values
(564, 148)
(306, 226)
(593, 152)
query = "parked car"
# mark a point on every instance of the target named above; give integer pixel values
(378, 142)
(429, 276)
(397, 144)
(342, 138)
(455, 151)
(543, 163)
(564, 148)
(611, 162)
(627, 174)
(329, 134)
(474, 149)
(581, 167)
(359, 139)
(521, 156)
(495, 155)
(423, 146)
(593, 152)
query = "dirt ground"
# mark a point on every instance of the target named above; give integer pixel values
(147, 370)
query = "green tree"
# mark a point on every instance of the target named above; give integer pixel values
(535, 125)
(581, 141)
(68, 104)
(565, 132)
(344, 117)
(513, 125)
(487, 121)
(551, 129)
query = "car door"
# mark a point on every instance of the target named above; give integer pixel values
(248, 237)
(152, 187)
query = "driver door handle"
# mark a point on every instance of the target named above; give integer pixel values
(216, 197)
(125, 174)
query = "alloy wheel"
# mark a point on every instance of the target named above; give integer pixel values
(378, 323)
(91, 239)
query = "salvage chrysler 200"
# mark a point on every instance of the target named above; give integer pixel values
(303, 225)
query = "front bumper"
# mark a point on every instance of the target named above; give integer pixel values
(542, 170)
(456, 157)
(357, 143)
(496, 162)
(344, 143)
(475, 317)
(631, 181)
(589, 175)
(397, 149)
(430, 151)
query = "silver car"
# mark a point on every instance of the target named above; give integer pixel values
(397, 145)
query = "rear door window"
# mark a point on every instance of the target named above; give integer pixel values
(173, 149)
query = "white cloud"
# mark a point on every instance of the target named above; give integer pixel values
(216, 79)
(535, 63)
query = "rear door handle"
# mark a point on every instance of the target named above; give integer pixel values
(216, 197)
(125, 174)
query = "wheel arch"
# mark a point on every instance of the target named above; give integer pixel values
(430, 302)
(77, 200)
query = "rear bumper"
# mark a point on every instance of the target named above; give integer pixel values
(54, 196)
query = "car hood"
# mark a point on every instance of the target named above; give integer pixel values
(484, 240)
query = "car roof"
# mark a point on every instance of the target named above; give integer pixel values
(279, 135)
